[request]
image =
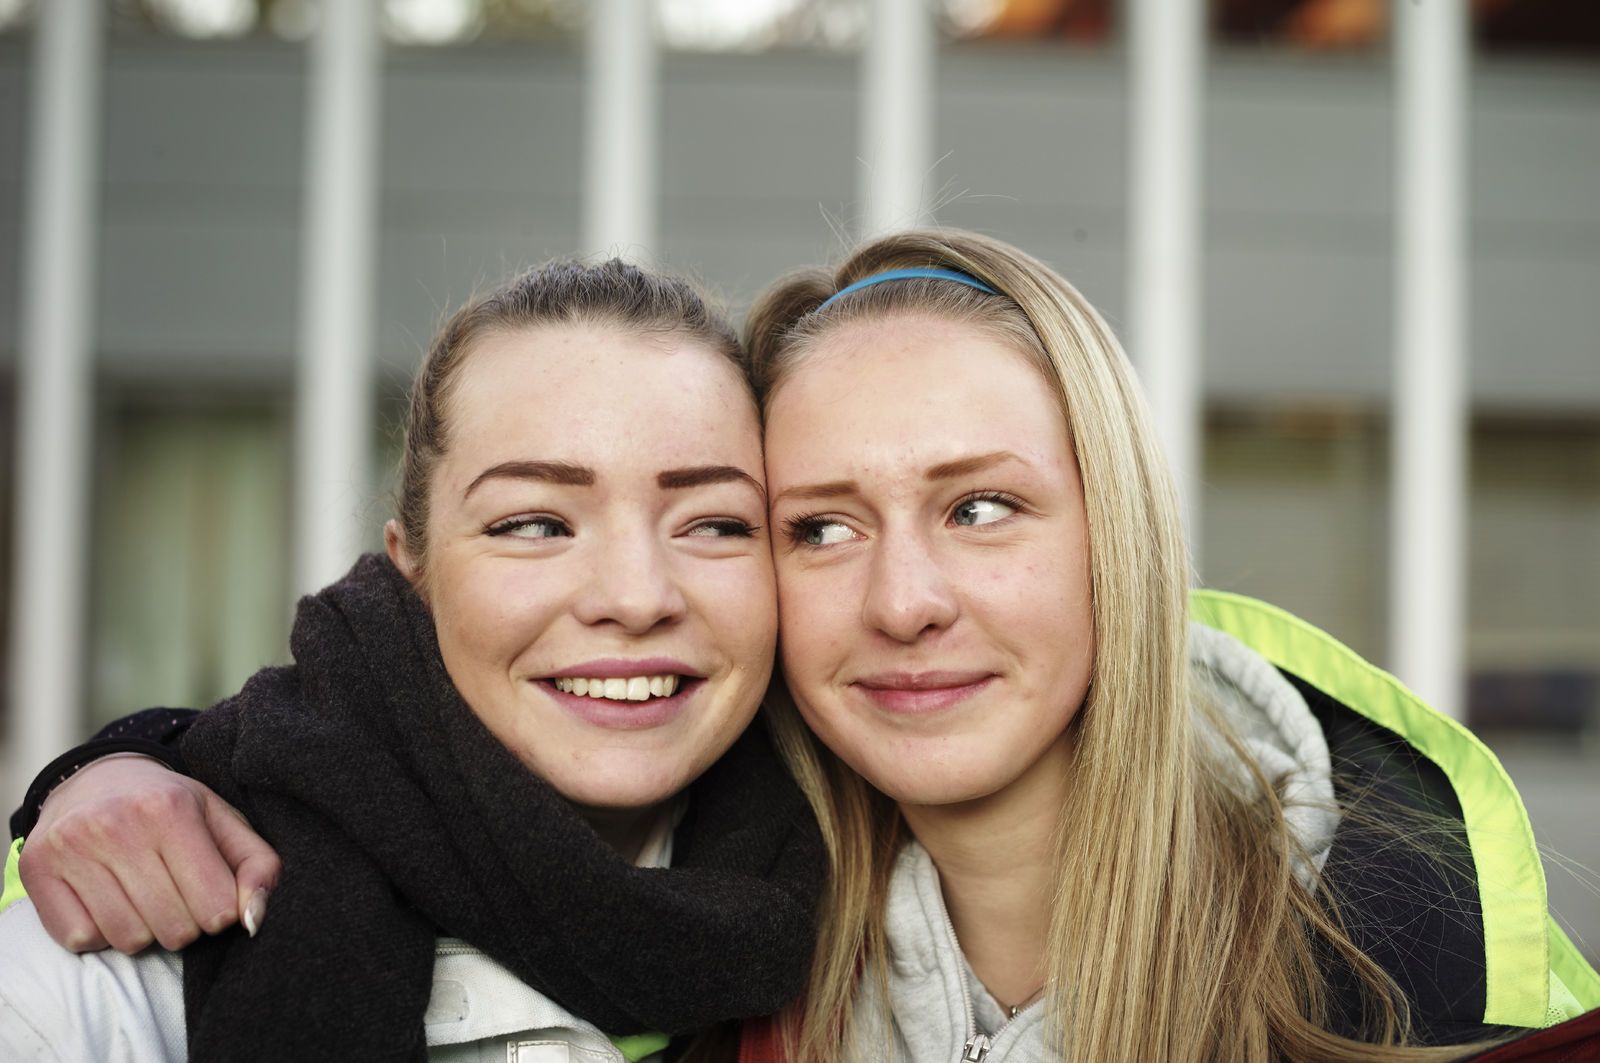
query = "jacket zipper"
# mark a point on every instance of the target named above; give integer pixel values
(976, 1048)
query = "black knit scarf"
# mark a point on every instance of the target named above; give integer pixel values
(400, 818)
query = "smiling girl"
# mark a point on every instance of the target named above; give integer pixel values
(499, 771)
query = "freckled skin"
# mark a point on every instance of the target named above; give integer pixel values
(632, 580)
(911, 589)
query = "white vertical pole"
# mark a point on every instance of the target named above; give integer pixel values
(55, 387)
(619, 215)
(897, 88)
(1427, 603)
(334, 391)
(1166, 48)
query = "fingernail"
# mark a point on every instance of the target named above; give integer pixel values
(255, 912)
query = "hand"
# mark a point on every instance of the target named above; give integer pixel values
(127, 852)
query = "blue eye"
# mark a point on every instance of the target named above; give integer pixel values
(982, 509)
(818, 531)
(531, 528)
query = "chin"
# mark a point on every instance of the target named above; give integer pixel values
(931, 788)
(622, 786)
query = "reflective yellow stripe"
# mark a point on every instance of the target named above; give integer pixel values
(1576, 977)
(1511, 888)
(635, 1047)
(13, 891)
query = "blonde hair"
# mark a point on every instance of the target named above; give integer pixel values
(1178, 928)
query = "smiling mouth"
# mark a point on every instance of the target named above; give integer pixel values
(923, 693)
(617, 688)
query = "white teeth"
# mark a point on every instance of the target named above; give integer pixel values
(632, 688)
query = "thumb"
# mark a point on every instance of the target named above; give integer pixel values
(255, 864)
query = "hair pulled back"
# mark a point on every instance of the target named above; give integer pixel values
(561, 292)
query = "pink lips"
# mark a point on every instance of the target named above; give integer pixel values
(625, 715)
(915, 693)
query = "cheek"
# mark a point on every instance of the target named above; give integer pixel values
(737, 599)
(815, 611)
(1039, 604)
(490, 613)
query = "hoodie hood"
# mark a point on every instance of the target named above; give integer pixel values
(1276, 730)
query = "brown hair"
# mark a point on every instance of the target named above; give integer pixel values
(562, 292)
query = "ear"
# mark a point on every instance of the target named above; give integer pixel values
(394, 544)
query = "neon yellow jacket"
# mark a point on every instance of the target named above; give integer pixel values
(1532, 975)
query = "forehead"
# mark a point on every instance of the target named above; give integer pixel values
(599, 395)
(909, 392)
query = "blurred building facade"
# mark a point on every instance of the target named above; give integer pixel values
(748, 133)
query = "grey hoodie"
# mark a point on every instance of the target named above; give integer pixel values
(939, 1012)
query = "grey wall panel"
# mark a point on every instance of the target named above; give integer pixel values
(1536, 333)
(1534, 140)
(758, 165)
(1289, 141)
(1032, 147)
(198, 294)
(482, 169)
(479, 122)
(13, 135)
(200, 206)
(206, 116)
(1043, 127)
(1296, 322)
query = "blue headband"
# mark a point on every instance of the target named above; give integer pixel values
(906, 274)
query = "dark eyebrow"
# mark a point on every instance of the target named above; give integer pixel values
(699, 475)
(555, 472)
(828, 490)
(965, 466)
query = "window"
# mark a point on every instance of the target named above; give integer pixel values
(190, 544)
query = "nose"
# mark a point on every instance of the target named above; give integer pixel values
(632, 585)
(908, 595)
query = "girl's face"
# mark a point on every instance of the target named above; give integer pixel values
(932, 555)
(596, 564)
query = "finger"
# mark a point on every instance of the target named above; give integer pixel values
(195, 863)
(108, 905)
(255, 863)
(65, 918)
(148, 883)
